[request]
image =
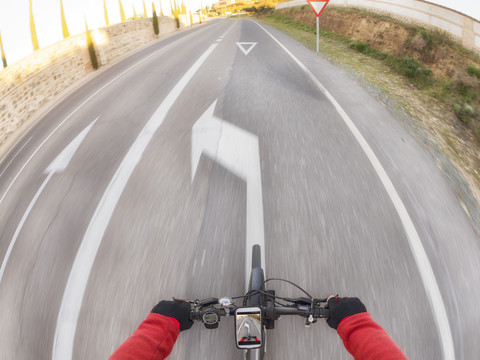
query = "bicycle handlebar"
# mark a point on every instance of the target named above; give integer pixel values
(270, 313)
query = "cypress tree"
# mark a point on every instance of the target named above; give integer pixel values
(134, 12)
(156, 28)
(176, 13)
(161, 11)
(191, 18)
(4, 59)
(122, 13)
(64, 22)
(91, 48)
(33, 31)
(106, 13)
(144, 10)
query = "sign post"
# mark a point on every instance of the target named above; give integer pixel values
(318, 6)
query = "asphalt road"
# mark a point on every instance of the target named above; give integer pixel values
(101, 219)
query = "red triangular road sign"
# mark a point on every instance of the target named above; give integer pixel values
(318, 5)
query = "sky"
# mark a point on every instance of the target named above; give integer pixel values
(15, 23)
(15, 19)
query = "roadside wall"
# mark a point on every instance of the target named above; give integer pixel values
(33, 81)
(462, 27)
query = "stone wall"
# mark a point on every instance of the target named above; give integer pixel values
(463, 27)
(114, 41)
(32, 82)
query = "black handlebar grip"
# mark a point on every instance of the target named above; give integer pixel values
(321, 312)
(326, 313)
(195, 315)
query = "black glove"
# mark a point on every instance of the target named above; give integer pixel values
(178, 309)
(340, 308)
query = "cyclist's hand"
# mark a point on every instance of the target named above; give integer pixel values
(340, 308)
(179, 310)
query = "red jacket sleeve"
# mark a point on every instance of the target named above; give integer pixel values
(153, 340)
(365, 339)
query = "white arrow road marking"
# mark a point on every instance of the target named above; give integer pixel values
(58, 165)
(425, 268)
(250, 45)
(236, 150)
(82, 265)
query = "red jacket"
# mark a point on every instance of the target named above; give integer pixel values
(365, 339)
(153, 340)
(156, 335)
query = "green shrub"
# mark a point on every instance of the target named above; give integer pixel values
(464, 112)
(359, 46)
(467, 86)
(473, 71)
(368, 50)
(411, 68)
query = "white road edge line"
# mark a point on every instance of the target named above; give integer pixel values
(87, 100)
(82, 265)
(14, 156)
(421, 258)
(58, 165)
(20, 225)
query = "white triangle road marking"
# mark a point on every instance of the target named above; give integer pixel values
(245, 50)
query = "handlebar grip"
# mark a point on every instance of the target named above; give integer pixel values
(321, 312)
(195, 315)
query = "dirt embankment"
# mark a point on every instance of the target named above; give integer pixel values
(434, 50)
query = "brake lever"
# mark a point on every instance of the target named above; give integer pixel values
(302, 301)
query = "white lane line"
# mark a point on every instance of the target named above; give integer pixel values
(14, 156)
(58, 165)
(203, 256)
(82, 265)
(194, 266)
(20, 225)
(87, 100)
(421, 258)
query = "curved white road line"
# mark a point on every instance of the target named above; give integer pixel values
(421, 258)
(14, 156)
(58, 165)
(77, 281)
